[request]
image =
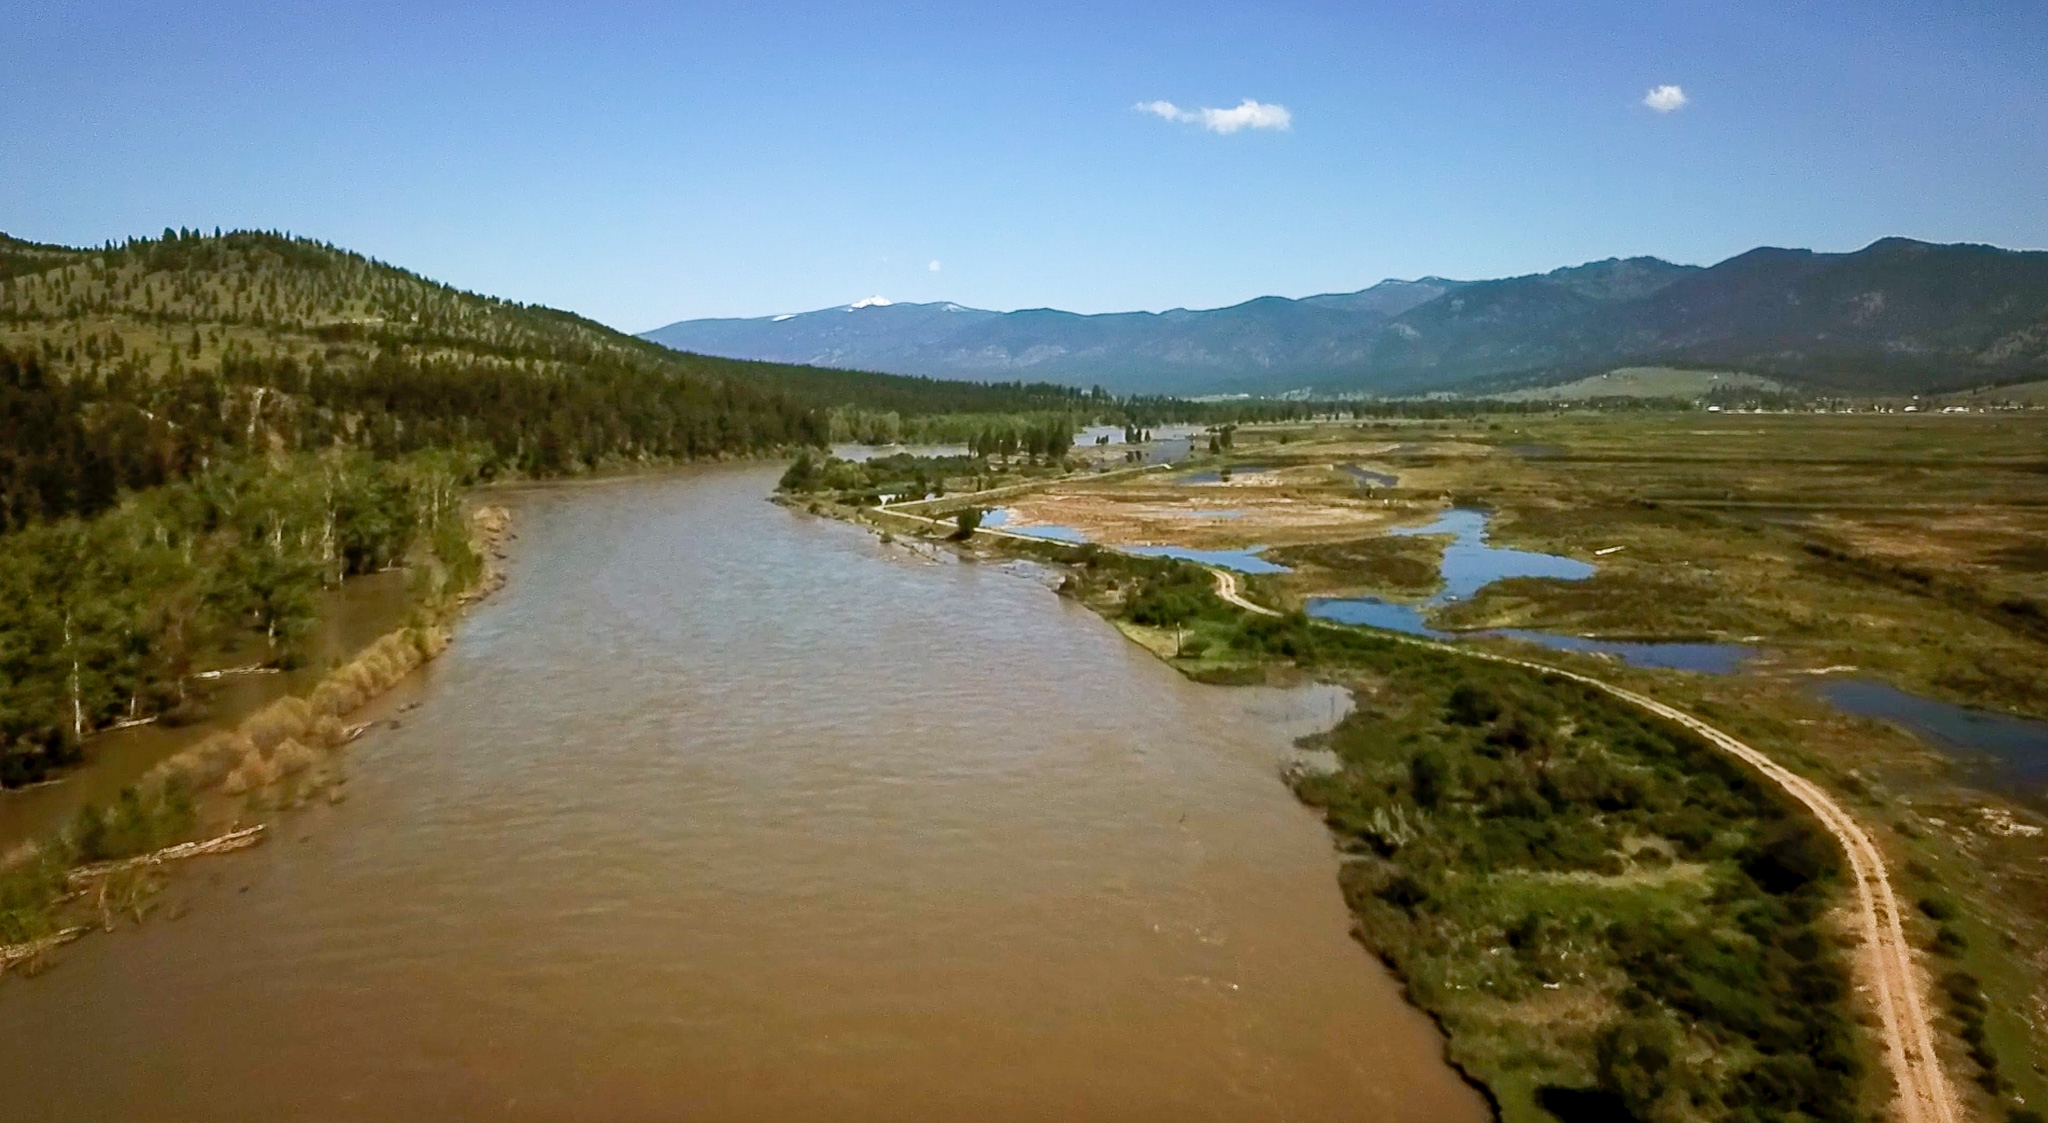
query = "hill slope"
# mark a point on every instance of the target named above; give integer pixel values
(1898, 314)
(137, 363)
(1180, 351)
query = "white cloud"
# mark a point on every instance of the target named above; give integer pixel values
(1249, 114)
(1664, 99)
(934, 267)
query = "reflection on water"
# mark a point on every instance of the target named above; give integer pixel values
(1469, 565)
(721, 812)
(2013, 751)
(1215, 475)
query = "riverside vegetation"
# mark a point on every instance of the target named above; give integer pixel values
(276, 757)
(1610, 918)
(1606, 915)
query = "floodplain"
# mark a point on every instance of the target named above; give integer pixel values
(1814, 550)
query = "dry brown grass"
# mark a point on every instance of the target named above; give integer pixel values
(295, 736)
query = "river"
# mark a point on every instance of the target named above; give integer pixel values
(720, 812)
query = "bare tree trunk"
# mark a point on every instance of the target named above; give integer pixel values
(77, 706)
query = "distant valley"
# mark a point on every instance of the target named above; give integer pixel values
(1899, 315)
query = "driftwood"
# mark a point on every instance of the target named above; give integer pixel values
(11, 954)
(251, 669)
(233, 840)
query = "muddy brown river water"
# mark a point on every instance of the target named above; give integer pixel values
(719, 812)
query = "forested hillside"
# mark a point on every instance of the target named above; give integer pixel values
(198, 432)
(135, 363)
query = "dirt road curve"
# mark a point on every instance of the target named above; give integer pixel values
(1886, 959)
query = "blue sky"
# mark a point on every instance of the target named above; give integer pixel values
(645, 163)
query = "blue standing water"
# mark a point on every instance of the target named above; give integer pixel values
(2013, 750)
(1470, 564)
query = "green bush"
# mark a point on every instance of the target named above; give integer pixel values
(1464, 787)
(1937, 908)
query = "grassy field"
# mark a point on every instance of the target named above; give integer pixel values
(1647, 382)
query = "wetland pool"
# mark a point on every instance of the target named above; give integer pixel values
(1470, 564)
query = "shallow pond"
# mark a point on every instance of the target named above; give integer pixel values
(1215, 475)
(1247, 560)
(2010, 752)
(1003, 518)
(1707, 658)
(1470, 564)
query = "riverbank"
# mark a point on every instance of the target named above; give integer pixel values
(84, 876)
(1572, 959)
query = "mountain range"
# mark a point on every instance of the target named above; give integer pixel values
(1896, 315)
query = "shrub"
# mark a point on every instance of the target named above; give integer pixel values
(1428, 776)
(1937, 908)
(1471, 704)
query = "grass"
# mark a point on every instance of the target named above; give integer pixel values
(1647, 382)
(1399, 566)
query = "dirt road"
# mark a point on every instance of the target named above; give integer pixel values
(1885, 961)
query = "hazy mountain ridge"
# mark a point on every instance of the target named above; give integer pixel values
(1896, 314)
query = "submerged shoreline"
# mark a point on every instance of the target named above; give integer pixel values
(271, 760)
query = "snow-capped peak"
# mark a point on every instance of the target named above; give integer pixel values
(870, 302)
(784, 316)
